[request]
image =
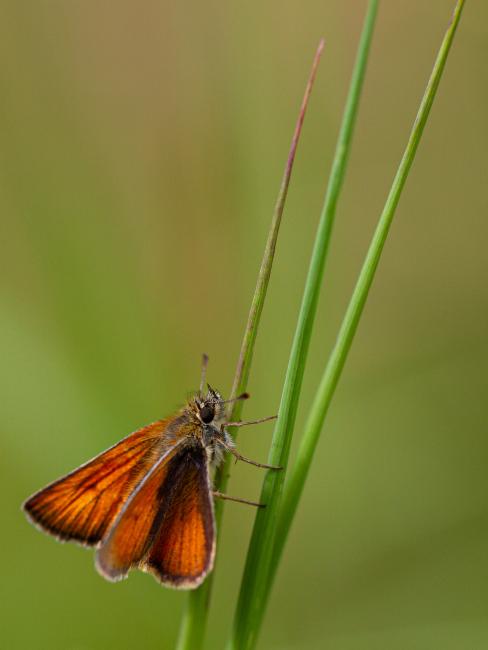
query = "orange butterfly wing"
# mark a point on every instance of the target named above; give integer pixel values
(83, 505)
(167, 526)
(183, 551)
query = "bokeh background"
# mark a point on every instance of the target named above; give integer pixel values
(142, 147)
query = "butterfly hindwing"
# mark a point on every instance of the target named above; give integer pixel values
(183, 550)
(167, 526)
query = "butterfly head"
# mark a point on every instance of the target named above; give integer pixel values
(209, 409)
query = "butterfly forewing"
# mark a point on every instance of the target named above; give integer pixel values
(167, 526)
(83, 505)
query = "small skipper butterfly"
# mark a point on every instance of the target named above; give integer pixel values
(147, 502)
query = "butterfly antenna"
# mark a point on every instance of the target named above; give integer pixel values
(236, 399)
(204, 372)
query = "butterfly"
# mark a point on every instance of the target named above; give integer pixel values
(147, 502)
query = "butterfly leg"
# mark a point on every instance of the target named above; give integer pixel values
(226, 497)
(239, 456)
(247, 422)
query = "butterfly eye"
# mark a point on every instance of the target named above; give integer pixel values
(207, 414)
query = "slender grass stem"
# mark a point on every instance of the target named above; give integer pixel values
(344, 340)
(194, 620)
(253, 594)
(335, 365)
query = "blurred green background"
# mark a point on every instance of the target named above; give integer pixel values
(142, 147)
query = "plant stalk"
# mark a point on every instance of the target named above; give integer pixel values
(314, 424)
(253, 594)
(193, 626)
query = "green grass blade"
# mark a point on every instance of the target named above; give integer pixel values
(194, 619)
(253, 594)
(325, 392)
